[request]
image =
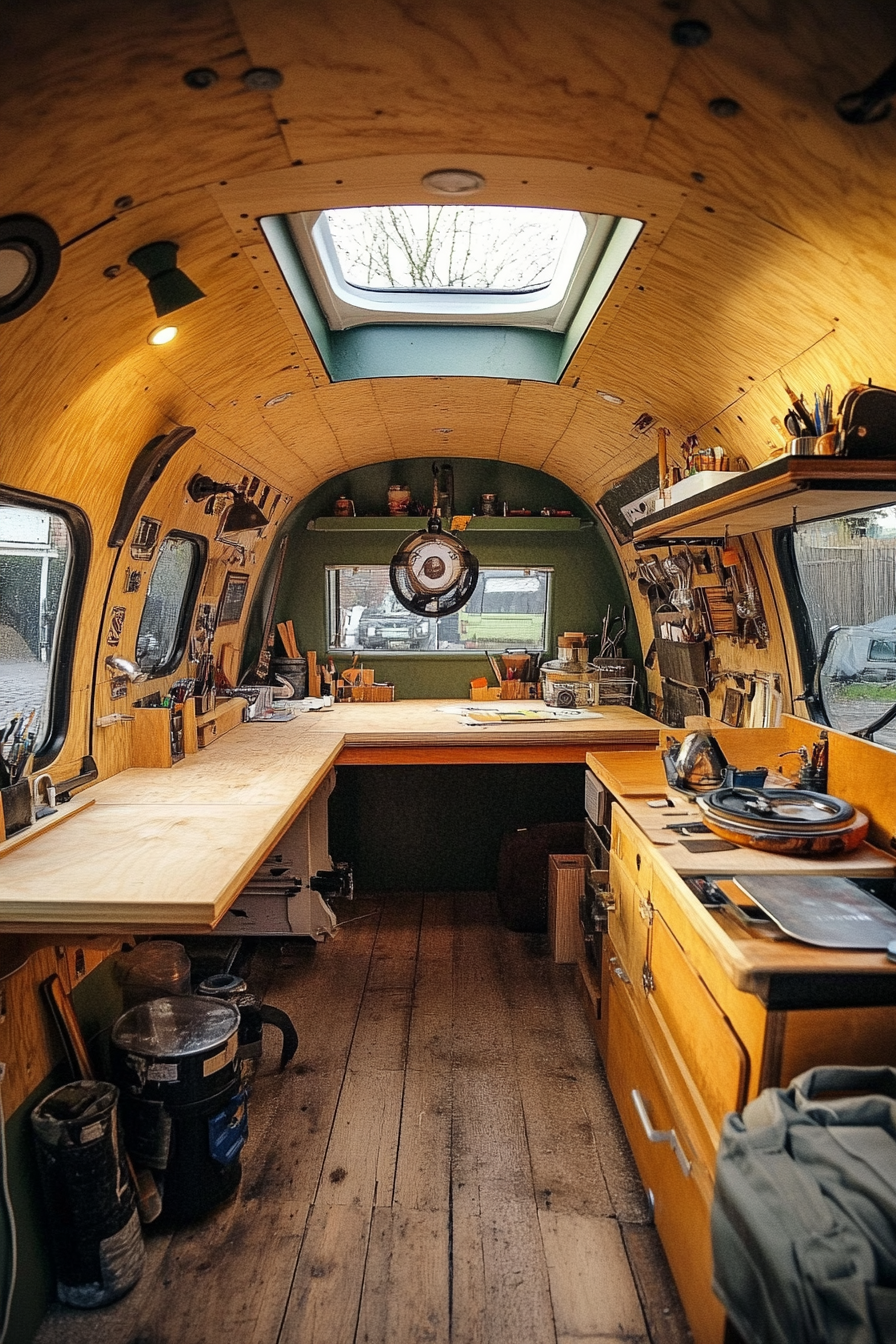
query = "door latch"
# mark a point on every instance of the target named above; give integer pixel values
(647, 979)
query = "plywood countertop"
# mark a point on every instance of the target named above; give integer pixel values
(170, 849)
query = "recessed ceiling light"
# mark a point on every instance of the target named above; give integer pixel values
(453, 181)
(162, 335)
(275, 401)
(611, 397)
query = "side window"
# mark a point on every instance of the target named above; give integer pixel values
(168, 608)
(846, 568)
(44, 554)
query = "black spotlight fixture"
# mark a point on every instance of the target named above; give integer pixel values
(29, 262)
(432, 573)
(169, 287)
(724, 107)
(242, 523)
(690, 33)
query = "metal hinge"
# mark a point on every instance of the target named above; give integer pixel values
(645, 909)
(647, 979)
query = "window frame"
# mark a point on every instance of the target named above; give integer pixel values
(331, 571)
(784, 547)
(188, 605)
(59, 677)
(346, 305)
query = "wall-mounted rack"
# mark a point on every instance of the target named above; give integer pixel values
(403, 523)
(782, 491)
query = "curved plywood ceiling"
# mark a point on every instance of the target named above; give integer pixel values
(768, 244)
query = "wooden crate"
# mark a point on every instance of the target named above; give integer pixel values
(379, 693)
(566, 886)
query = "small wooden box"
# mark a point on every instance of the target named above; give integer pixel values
(485, 692)
(566, 886)
(378, 693)
(518, 690)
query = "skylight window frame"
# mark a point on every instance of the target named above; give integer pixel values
(552, 308)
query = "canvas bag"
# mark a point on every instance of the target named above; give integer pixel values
(804, 1215)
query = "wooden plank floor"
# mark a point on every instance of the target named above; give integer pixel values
(442, 1162)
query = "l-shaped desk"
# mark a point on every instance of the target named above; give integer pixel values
(156, 850)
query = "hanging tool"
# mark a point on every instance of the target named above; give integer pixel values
(610, 642)
(263, 665)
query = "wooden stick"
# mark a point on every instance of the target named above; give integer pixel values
(313, 674)
(662, 436)
(293, 643)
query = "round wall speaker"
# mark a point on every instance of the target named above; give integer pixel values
(29, 261)
(432, 574)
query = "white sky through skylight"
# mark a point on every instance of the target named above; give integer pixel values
(507, 249)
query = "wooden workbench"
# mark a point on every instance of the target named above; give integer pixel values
(166, 849)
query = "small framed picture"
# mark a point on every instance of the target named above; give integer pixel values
(230, 608)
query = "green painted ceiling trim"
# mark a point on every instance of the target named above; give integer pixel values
(402, 350)
(620, 243)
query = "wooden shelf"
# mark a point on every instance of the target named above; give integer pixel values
(773, 495)
(406, 525)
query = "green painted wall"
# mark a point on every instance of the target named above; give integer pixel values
(586, 573)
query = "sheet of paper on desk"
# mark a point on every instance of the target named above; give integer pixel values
(477, 716)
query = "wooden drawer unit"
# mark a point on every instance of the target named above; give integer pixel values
(677, 1177)
(708, 1057)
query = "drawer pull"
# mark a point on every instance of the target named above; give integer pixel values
(660, 1135)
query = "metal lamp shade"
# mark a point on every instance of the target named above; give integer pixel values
(432, 574)
(169, 288)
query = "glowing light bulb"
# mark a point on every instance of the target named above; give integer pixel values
(162, 335)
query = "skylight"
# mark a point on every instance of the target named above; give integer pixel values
(482, 249)
(485, 291)
(450, 264)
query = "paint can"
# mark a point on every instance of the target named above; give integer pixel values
(184, 1112)
(94, 1225)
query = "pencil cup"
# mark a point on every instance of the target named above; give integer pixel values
(803, 446)
(826, 445)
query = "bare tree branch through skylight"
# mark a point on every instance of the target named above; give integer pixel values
(452, 247)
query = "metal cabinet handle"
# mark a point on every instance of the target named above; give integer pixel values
(660, 1135)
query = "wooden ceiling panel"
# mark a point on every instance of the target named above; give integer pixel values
(791, 229)
(813, 157)
(388, 77)
(95, 107)
(723, 304)
(538, 415)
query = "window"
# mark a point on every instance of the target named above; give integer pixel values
(508, 609)
(170, 599)
(40, 593)
(846, 568)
